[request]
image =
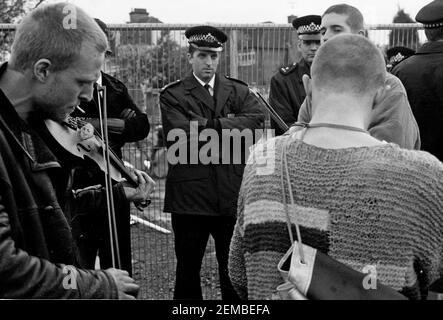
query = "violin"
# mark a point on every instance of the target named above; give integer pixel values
(80, 139)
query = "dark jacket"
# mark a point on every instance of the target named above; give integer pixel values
(136, 124)
(195, 187)
(35, 237)
(287, 92)
(422, 76)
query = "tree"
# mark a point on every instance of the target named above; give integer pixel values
(12, 10)
(403, 37)
(158, 64)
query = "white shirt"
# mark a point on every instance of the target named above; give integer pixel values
(99, 82)
(210, 83)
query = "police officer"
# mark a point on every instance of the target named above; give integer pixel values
(126, 123)
(396, 55)
(287, 92)
(422, 76)
(202, 196)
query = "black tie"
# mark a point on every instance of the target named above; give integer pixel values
(207, 86)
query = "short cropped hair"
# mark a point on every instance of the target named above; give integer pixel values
(434, 34)
(191, 50)
(348, 63)
(355, 19)
(45, 33)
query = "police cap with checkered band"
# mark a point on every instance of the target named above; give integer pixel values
(308, 27)
(206, 38)
(431, 15)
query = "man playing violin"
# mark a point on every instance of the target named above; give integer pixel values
(56, 58)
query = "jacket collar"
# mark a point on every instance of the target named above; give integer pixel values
(431, 47)
(109, 81)
(222, 91)
(304, 64)
(211, 82)
(196, 90)
(26, 139)
(304, 68)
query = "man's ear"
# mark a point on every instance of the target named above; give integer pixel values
(189, 57)
(41, 70)
(307, 85)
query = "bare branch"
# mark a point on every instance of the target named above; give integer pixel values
(39, 3)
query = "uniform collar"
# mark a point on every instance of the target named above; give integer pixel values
(211, 82)
(431, 47)
(304, 63)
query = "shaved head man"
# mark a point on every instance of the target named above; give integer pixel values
(371, 197)
(392, 119)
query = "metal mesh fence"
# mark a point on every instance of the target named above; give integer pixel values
(146, 57)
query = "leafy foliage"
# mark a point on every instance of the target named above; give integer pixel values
(13, 10)
(153, 66)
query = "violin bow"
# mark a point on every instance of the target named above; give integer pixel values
(103, 115)
(274, 115)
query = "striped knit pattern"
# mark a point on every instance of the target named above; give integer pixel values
(371, 206)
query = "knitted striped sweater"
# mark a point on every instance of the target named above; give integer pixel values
(370, 206)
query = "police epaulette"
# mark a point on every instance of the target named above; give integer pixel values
(169, 85)
(236, 80)
(288, 69)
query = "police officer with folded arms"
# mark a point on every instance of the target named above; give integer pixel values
(202, 197)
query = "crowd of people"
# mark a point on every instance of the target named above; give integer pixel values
(358, 176)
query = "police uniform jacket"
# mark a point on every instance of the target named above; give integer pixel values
(422, 76)
(287, 92)
(193, 187)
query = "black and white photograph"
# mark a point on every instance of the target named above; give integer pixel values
(220, 157)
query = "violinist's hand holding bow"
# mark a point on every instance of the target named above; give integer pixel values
(126, 286)
(145, 187)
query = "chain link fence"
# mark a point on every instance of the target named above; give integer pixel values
(146, 57)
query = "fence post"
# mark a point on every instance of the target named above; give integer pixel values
(233, 53)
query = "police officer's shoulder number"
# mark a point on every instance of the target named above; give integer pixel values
(170, 85)
(236, 80)
(288, 69)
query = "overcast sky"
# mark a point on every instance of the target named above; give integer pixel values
(240, 11)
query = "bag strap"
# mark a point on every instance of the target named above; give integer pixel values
(285, 176)
(285, 170)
